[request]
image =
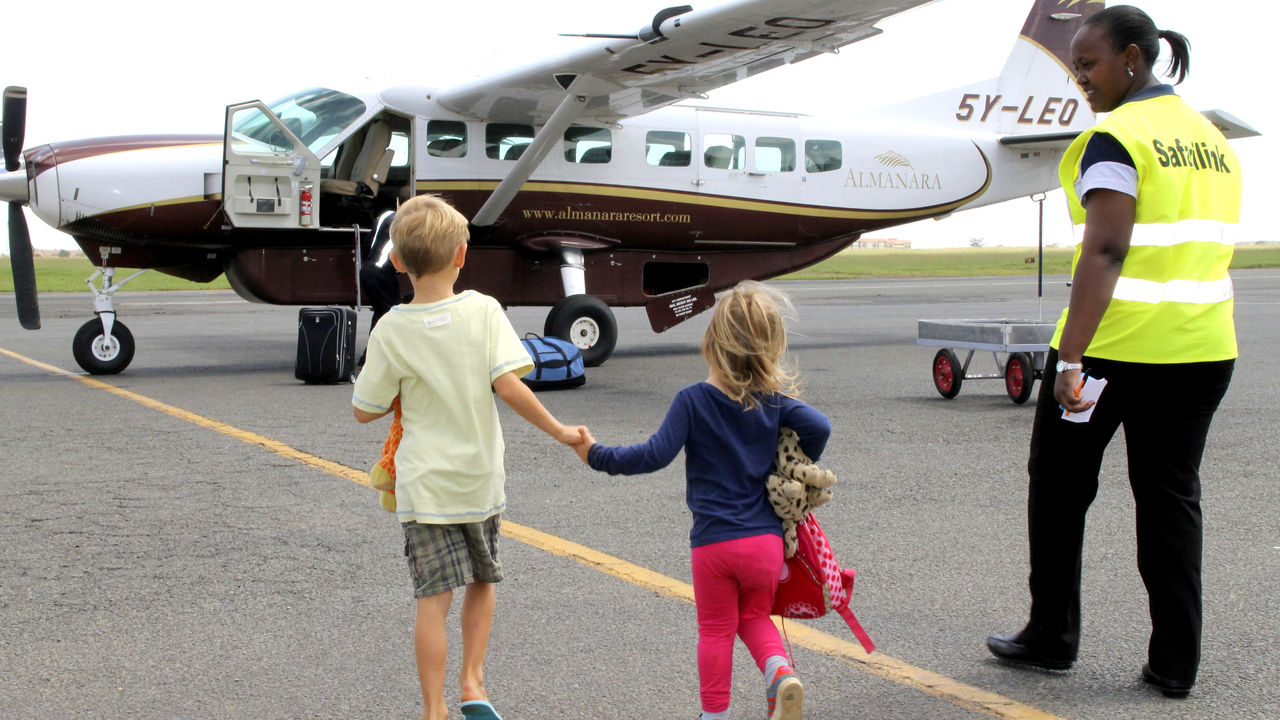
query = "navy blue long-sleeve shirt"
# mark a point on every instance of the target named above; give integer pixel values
(729, 454)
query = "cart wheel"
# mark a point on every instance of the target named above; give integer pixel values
(1019, 377)
(947, 373)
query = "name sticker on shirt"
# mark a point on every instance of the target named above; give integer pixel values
(436, 321)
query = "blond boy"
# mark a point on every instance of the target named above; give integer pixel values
(444, 355)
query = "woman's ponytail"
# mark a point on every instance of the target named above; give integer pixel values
(1180, 61)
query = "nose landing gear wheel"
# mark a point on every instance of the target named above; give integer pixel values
(1019, 377)
(948, 374)
(100, 355)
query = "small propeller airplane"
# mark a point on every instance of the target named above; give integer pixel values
(587, 183)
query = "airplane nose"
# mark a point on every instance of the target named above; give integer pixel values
(13, 186)
(41, 178)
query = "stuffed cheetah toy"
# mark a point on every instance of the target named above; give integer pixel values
(796, 486)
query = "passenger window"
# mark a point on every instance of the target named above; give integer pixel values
(506, 141)
(588, 145)
(724, 151)
(446, 138)
(822, 155)
(775, 154)
(668, 148)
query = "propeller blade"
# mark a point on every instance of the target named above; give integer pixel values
(13, 122)
(24, 269)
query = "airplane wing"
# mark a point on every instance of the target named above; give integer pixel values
(680, 53)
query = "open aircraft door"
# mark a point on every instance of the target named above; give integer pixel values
(270, 178)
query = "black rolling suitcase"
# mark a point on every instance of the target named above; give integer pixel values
(326, 345)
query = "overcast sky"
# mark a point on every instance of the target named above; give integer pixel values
(132, 66)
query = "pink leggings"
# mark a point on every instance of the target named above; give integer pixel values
(733, 587)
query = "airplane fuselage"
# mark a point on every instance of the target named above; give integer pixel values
(679, 197)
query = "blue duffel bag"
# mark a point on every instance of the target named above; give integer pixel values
(556, 363)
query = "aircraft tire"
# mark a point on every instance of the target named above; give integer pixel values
(97, 357)
(1019, 377)
(948, 374)
(587, 322)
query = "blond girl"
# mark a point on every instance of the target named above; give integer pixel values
(728, 429)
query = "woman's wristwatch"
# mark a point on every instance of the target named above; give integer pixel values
(1064, 366)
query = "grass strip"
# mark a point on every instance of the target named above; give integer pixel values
(67, 274)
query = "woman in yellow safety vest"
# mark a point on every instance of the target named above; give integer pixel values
(1154, 193)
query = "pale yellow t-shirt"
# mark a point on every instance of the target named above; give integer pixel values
(441, 359)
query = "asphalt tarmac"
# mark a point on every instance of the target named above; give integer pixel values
(186, 539)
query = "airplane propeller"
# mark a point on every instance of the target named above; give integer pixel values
(14, 123)
(14, 118)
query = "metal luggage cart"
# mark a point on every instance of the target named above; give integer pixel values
(1025, 342)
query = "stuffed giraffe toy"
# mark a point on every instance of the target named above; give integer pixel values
(383, 475)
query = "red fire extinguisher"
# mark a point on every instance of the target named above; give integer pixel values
(304, 206)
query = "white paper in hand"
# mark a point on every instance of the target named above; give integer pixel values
(1092, 389)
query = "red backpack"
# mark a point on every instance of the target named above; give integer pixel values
(813, 582)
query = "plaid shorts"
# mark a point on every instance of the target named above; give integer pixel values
(444, 557)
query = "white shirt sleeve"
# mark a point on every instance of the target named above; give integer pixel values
(1107, 176)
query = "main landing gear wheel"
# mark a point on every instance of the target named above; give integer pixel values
(587, 322)
(947, 373)
(1019, 377)
(100, 355)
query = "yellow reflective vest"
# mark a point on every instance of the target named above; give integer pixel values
(1173, 301)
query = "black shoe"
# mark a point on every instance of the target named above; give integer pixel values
(1012, 648)
(1171, 688)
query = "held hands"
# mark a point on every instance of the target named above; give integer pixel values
(583, 446)
(577, 437)
(569, 434)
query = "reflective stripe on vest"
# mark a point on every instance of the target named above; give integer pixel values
(1180, 291)
(1170, 234)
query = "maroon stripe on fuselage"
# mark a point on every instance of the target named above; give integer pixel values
(44, 157)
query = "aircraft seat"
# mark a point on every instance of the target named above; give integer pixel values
(446, 147)
(816, 161)
(674, 158)
(718, 156)
(368, 168)
(515, 151)
(597, 155)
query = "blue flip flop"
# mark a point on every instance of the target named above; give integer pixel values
(479, 710)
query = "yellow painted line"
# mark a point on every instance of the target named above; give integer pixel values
(279, 448)
(608, 564)
(878, 664)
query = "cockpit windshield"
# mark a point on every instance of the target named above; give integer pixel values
(316, 116)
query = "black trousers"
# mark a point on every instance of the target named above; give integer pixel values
(1166, 411)
(380, 287)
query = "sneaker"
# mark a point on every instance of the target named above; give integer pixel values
(479, 710)
(786, 696)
